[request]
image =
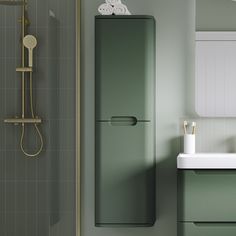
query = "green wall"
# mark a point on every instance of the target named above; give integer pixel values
(175, 35)
(215, 15)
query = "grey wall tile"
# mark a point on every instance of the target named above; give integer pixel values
(11, 77)
(10, 14)
(11, 42)
(54, 168)
(10, 166)
(40, 75)
(12, 102)
(42, 102)
(2, 73)
(67, 75)
(43, 197)
(2, 136)
(53, 106)
(32, 197)
(10, 225)
(21, 197)
(43, 166)
(68, 138)
(67, 104)
(21, 164)
(2, 200)
(67, 196)
(31, 168)
(42, 8)
(67, 43)
(43, 224)
(67, 165)
(2, 17)
(11, 142)
(2, 223)
(10, 196)
(54, 135)
(21, 223)
(2, 43)
(32, 223)
(2, 167)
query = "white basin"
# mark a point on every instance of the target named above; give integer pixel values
(207, 161)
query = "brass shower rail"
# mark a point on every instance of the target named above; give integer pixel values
(29, 42)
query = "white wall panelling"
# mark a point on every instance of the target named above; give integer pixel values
(215, 74)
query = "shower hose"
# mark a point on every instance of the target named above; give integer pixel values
(35, 125)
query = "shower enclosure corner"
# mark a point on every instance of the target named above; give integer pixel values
(39, 117)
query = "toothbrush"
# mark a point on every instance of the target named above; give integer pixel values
(194, 127)
(185, 127)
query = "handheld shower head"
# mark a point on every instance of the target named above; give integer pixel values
(12, 2)
(30, 42)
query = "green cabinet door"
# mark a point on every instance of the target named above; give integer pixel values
(125, 175)
(125, 66)
(207, 195)
(207, 229)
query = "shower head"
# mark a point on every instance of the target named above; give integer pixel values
(30, 42)
(12, 2)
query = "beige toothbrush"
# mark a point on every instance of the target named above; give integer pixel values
(185, 127)
(194, 127)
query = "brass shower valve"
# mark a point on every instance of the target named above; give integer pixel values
(17, 121)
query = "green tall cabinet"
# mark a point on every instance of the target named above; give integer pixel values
(125, 121)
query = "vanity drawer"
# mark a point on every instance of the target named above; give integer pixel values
(207, 229)
(207, 195)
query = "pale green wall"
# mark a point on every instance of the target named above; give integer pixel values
(215, 15)
(175, 35)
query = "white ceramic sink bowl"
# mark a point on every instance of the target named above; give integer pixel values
(207, 161)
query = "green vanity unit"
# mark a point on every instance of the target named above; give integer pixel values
(207, 195)
(125, 121)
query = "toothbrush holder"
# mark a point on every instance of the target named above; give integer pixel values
(189, 143)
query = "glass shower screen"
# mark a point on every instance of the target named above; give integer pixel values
(38, 117)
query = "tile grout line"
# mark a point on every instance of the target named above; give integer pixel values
(37, 183)
(5, 167)
(15, 202)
